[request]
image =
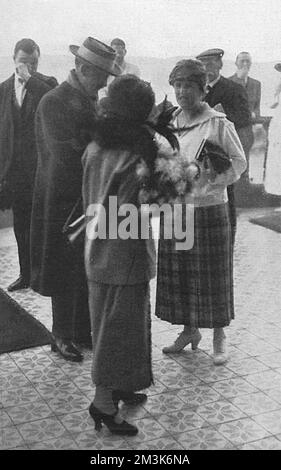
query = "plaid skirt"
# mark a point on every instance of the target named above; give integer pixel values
(121, 332)
(195, 287)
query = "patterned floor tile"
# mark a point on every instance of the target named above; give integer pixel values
(155, 389)
(203, 439)
(60, 443)
(274, 393)
(236, 354)
(255, 403)
(43, 374)
(19, 396)
(84, 383)
(157, 354)
(33, 354)
(42, 430)
(162, 339)
(233, 387)
(159, 327)
(69, 403)
(56, 388)
(181, 421)
(257, 347)
(32, 411)
(20, 448)
(10, 438)
(178, 380)
(77, 422)
(193, 358)
(5, 419)
(34, 361)
(268, 379)
(7, 372)
(7, 366)
(219, 412)
(164, 443)
(101, 440)
(271, 360)
(200, 395)
(213, 374)
(14, 380)
(246, 366)
(191, 366)
(149, 429)
(171, 367)
(165, 363)
(271, 421)
(74, 370)
(269, 443)
(252, 340)
(164, 403)
(241, 431)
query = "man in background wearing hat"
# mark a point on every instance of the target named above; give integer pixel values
(253, 87)
(19, 98)
(64, 120)
(231, 98)
(119, 47)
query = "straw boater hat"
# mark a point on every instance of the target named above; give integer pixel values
(98, 54)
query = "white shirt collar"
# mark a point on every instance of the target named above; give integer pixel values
(18, 83)
(211, 84)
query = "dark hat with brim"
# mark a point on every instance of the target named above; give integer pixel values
(209, 53)
(190, 69)
(98, 54)
(278, 67)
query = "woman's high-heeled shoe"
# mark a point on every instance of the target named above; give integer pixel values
(123, 428)
(182, 341)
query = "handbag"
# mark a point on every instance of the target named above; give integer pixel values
(75, 225)
(220, 161)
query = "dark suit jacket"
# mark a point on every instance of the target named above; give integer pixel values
(36, 87)
(253, 89)
(61, 119)
(233, 99)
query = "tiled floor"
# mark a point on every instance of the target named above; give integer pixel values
(193, 404)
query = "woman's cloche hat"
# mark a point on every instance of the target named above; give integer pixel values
(98, 54)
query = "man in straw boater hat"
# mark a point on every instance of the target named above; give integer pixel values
(64, 116)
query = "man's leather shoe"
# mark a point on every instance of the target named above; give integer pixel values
(19, 284)
(129, 398)
(67, 350)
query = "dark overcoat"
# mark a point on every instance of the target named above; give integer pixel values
(233, 99)
(36, 87)
(62, 118)
(253, 89)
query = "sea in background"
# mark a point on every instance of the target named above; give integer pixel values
(156, 71)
